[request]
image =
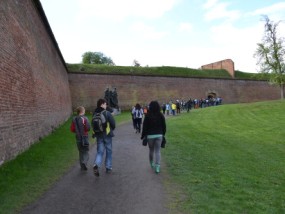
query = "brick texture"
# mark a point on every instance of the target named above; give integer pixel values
(87, 88)
(226, 64)
(34, 90)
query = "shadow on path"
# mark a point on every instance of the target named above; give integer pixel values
(133, 187)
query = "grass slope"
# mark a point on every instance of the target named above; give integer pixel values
(147, 71)
(229, 159)
(168, 71)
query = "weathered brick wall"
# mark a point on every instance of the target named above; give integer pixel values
(87, 88)
(226, 64)
(34, 90)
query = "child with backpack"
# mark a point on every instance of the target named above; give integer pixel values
(80, 126)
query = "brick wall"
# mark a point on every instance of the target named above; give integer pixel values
(226, 64)
(34, 90)
(87, 88)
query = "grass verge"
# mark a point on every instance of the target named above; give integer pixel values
(228, 159)
(29, 175)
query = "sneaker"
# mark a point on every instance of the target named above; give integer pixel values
(108, 171)
(83, 167)
(96, 170)
(152, 164)
(157, 169)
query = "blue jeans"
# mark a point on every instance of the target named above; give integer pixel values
(104, 143)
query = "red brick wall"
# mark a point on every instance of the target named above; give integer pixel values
(87, 88)
(226, 64)
(34, 91)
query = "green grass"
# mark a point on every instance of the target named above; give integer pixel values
(169, 71)
(228, 159)
(28, 176)
(223, 159)
(147, 71)
(251, 76)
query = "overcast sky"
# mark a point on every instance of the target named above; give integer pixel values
(182, 33)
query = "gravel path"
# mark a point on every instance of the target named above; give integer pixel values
(133, 187)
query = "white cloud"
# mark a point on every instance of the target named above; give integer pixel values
(275, 13)
(185, 27)
(119, 10)
(147, 32)
(216, 10)
(210, 3)
(270, 10)
(239, 44)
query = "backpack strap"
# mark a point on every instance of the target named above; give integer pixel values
(77, 126)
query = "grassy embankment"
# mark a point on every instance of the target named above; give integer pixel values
(25, 178)
(159, 71)
(228, 159)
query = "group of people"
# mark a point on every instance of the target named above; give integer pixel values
(80, 126)
(173, 108)
(153, 130)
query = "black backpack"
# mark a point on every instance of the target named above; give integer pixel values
(99, 122)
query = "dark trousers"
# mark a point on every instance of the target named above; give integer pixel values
(138, 122)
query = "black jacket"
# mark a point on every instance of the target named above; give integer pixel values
(153, 124)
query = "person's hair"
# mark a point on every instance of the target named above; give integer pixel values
(79, 109)
(138, 106)
(100, 102)
(154, 107)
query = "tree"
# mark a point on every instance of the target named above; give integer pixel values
(96, 58)
(271, 55)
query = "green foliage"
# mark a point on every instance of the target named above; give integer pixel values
(228, 159)
(96, 58)
(271, 54)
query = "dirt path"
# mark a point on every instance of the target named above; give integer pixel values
(133, 187)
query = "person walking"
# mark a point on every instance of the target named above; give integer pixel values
(173, 108)
(163, 108)
(167, 107)
(80, 126)
(104, 138)
(154, 129)
(137, 115)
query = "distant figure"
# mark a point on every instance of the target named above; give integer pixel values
(137, 115)
(167, 107)
(173, 108)
(114, 99)
(107, 96)
(189, 105)
(163, 108)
